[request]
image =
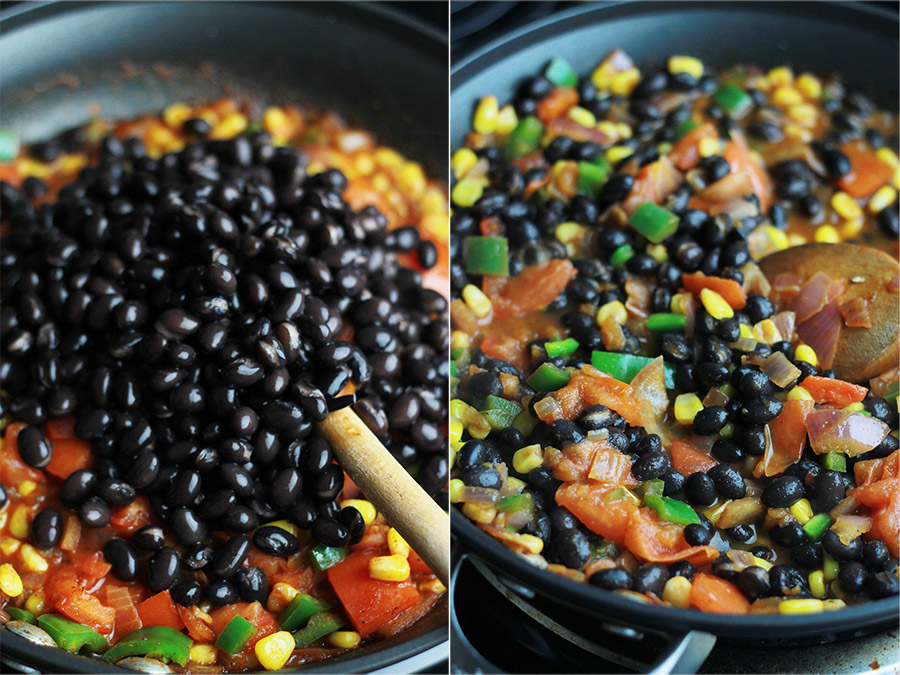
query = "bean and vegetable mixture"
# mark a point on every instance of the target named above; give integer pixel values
(634, 404)
(184, 296)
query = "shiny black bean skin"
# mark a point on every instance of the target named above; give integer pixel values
(237, 479)
(782, 492)
(143, 470)
(77, 488)
(329, 483)
(230, 556)
(612, 579)
(115, 492)
(240, 519)
(34, 448)
(275, 541)
(47, 528)
(282, 417)
(95, 513)
(123, 558)
(352, 519)
(149, 537)
(186, 593)
(284, 488)
(184, 488)
(217, 504)
(176, 324)
(188, 526)
(330, 532)
(162, 569)
(303, 512)
(252, 584)
(840, 551)
(197, 557)
(220, 592)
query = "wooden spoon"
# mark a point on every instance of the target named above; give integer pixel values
(861, 353)
(407, 507)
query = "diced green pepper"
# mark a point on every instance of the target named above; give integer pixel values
(603, 549)
(671, 510)
(18, 614)
(654, 222)
(9, 145)
(621, 255)
(487, 255)
(666, 321)
(319, 626)
(625, 366)
(235, 634)
(817, 526)
(561, 347)
(525, 423)
(519, 502)
(734, 100)
(836, 461)
(548, 378)
(302, 607)
(591, 178)
(71, 635)
(157, 642)
(525, 138)
(652, 487)
(453, 372)
(683, 128)
(560, 73)
(890, 394)
(324, 556)
(500, 412)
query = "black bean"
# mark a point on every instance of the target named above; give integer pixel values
(115, 492)
(284, 488)
(47, 528)
(782, 492)
(221, 592)
(275, 541)
(187, 526)
(875, 555)
(697, 534)
(149, 537)
(230, 556)
(572, 549)
(94, 513)
(252, 584)
(808, 555)
(330, 532)
(162, 569)
(710, 420)
(854, 577)
(728, 481)
(77, 488)
(186, 593)
(483, 477)
(121, 555)
(700, 489)
(838, 550)
(827, 490)
(651, 465)
(726, 450)
(753, 582)
(883, 585)
(651, 578)
(352, 519)
(34, 448)
(612, 579)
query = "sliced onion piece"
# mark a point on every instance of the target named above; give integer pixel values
(817, 292)
(779, 369)
(848, 528)
(835, 430)
(479, 495)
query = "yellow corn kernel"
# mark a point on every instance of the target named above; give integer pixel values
(72, 163)
(817, 584)
(388, 158)
(274, 650)
(516, 485)
(780, 76)
(456, 430)
(609, 129)
(530, 543)
(852, 228)
(618, 152)
(761, 562)
(456, 485)
(709, 147)
(433, 585)
(35, 603)
(663, 148)
(479, 513)
(797, 132)
(715, 304)
(658, 253)
(568, 232)
(766, 331)
(203, 654)
(795, 239)
(882, 198)
(478, 425)
(827, 234)
(459, 340)
(677, 590)
(615, 309)
(412, 180)
(624, 130)
(18, 523)
(366, 509)
(389, 568)
(9, 545)
(888, 156)
(833, 603)
(477, 301)
(343, 639)
(528, 459)
(161, 140)
(895, 179)
(458, 408)
(622, 83)
(176, 114)
(686, 64)
(485, 119)
(285, 525)
(855, 407)
(686, 408)
(845, 206)
(231, 126)
(26, 487)
(30, 167)
(507, 120)
(10, 581)
(466, 192)
(786, 96)
(677, 303)
(777, 237)
(800, 606)
(714, 512)
(830, 568)
(397, 544)
(380, 182)
(802, 510)
(582, 116)
(809, 85)
(798, 393)
(276, 122)
(806, 353)
(32, 559)
(803, 113)
(284, 590)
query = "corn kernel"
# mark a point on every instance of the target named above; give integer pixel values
(30, 167)
(715, 304)
(766, 331)
(203, 654)
(274, 650)
(516, 485)
(761, 562)
(459, 340)
(528, 459)
(530, 543)
(286, 591)
(882, 198)
(458, 408)
(609, 129)
(798, 393)
(456, 430)
(433, 585)
(800, 606)
(35, 603)
(830, 568)
(709, 147)
(624, 130)
(366, 509)
(746, 331)
(852, 228)
(827, 234)
(677, 591)
(686, 408)
(602, 76)
(888, 156)
(803, 113)
(478, 425)
(797, 132)
(833, 603)
(615, 310)
(18, 523)
(10, 581)
(809, 85)
(26, 487)
(795, 239)
(32, 559)
(479, 513)
(802, 510)
(686, 64)
(895, 179)
(845, 206)
(176, 114)
(389, 568)
(285, 525)
(507, 120)
(388, 158)
(456, 485)
(343, 639)
(806, 353)
(786, 96)
(677, 303)
(397, 544)
(817, 584)
(466, 192)
(855, 407)
(618, 152)
(622, 83)
(230, 126)
(568, 232)
(477, 301)
(72, 163)
(780, 76)
(9, 545)
(485, 120)
(658, 253)
(776, 236)
(663, 148)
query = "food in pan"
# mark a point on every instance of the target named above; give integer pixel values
(635, 404)
(183, 297)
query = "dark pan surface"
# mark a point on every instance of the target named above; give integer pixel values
(857, 41)
(381, 70)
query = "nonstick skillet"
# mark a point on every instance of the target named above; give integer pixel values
(382, 70)
(858, 41)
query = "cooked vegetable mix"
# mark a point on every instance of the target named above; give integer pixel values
(183, 297)
(634, 404)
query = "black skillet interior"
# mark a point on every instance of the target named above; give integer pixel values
(859, 42)
(380, 69)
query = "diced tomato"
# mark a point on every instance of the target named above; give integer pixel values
(611, 466)
(589, 387)
(557, 104)
(69, 455)
(127, 519)
(828, 391)
(197, 628)
(92, 567)
(60, 427)
(729, 289)
(159, 610)
(492, 227)
(867, 171)
(881, 493)
(254, 612)
(788, 435)
(369, 603)
(13, 470)
(535, 287)
(687, 460)
(652, 184)
(686, 151)
(591, 504)
(69, 598)
(416, 564)
(127, 618)
(651, 539)
(738, 156)
(714, 594)
(408, 617)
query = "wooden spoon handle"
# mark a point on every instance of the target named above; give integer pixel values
(395, 493)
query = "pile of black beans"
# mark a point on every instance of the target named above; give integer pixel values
(198, 314)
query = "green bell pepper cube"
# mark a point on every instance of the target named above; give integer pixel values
(671, 510)
(560, 73)
(71, 635)
(561, 347)
(319, 626)
(519, 502)
(487, 255)
(652, 487)
(683, 128)
(9, 145)
(453, 372)
(662, 322)
(654, 222)
(621, 255)
(734, 100)
(524, 139)
(525, 423)
(893, 389)
(625, 366)
(590, 178)
(817, 526)
(18, 614)
(157, 642)
(324, 556)
(548, 378)
(500, 412)
(836, 461)
(302, 608)
(235, 635)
